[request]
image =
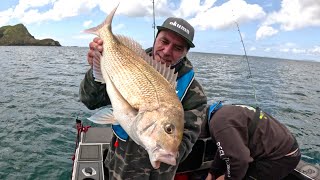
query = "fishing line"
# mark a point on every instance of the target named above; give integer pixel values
(154, 21)
(245, 55)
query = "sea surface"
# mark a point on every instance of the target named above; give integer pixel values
(39, 102)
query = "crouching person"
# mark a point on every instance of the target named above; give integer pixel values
(251, 144)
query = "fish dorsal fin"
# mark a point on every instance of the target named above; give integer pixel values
(131, 44)
(167, 72)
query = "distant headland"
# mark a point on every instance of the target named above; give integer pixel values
(18, 35)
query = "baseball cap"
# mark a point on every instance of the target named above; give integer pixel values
(179, 26)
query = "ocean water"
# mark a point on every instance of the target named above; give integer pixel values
(39, 102)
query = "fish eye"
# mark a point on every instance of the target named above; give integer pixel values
(169, 128)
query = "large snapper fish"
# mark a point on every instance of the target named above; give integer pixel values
(142, 94)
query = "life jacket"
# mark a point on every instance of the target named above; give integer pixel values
(212, 109)
(183, 84)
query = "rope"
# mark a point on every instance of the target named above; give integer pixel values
(80, 128)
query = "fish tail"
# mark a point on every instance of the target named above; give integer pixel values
(107, 22)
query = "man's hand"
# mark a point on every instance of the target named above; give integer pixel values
(95, 50)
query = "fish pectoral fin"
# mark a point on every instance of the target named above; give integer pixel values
(105, 25)
(96, 71)
(103, 116)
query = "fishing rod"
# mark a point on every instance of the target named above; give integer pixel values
(245, 54)
(154, 21)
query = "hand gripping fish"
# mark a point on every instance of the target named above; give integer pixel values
(142, 94)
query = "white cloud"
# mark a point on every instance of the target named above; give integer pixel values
(191, 7)
(284, 50)
(26, 5)
(243, 35)
(33, 11)
(252, 48)
(265, 31)
(287, 47)
(267, 49)
(132, 8)
(224, 16)
(292, 48)
(37, 11)
(207, 15)
(295, 14)
(290, 44)
(5, 16)
(87, 23)
(298, 51)
(315, 50)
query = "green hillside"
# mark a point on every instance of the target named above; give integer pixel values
(18, 35)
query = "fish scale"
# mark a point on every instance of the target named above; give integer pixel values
(130, 76)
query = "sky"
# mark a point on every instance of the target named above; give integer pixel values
(287, 29)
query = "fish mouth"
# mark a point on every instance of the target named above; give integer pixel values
(160, 155)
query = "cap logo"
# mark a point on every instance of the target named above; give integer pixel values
(179, 26)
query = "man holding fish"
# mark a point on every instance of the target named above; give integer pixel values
(158, 106)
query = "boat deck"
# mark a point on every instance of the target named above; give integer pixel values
(89, 158)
